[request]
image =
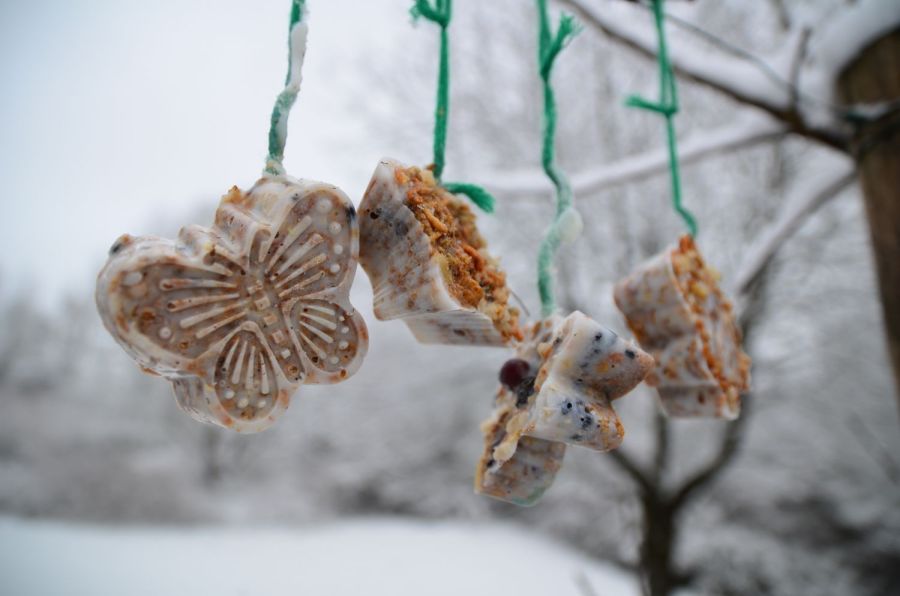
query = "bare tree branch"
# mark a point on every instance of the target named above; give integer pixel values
(661, 460)
(746, 132)
(734, 77)
(874, 448)
(796, 62)
(784, 17)
(731, 441)
(584, 585)
(734, 432)
(760, 254)
(631, 468)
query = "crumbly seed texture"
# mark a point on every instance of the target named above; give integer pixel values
(678, 313)
(429, 265)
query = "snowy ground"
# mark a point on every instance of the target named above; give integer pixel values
(360, 557)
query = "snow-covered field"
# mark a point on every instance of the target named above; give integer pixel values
(359, 557)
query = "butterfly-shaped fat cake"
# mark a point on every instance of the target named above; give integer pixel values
(239, 315)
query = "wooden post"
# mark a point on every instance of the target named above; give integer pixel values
(874, 77)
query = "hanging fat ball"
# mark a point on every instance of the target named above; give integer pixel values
(584, 368)
(428, 263)
(420, 244)
(239, 315)
(678, 313)
(558, 390)
(523, 477)
(525, 467)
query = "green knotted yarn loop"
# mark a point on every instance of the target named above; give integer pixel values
(667, 106)
(549, 47)
(440, 13)
(482, 198)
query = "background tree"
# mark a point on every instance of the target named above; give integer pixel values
(799, 497)
(856, 61)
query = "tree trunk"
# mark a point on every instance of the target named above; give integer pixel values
(874, 77)
(658, 577)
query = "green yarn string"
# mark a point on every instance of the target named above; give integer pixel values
(440, 13)
(549, 47)
(286, 99)
(667, 106)
(482, 198)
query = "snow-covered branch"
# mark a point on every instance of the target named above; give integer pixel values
(852, 31)
(761, 253)
(745, 132)
(838, 42)
(737, 77)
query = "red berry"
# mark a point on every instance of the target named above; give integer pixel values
(514, 373)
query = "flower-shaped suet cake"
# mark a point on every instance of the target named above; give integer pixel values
(428, 264)
(518, 469)
(678, 313)
(558, 390)
(585, 367)
(239, 315)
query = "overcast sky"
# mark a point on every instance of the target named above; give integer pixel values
(122, 115)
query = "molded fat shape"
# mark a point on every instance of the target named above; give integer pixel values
(407, 280)
(586, 367)
(239, 315)
(657, 309)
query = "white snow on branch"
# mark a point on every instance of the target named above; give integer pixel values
(834, 46)
(812, 196)
(852, 31)
(733, 75)
(765, 82)
(749, 130)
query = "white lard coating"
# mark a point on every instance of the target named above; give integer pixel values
(238, 315)
(406, 278)
(581, 368)
(587, 367)
(514, 468)
(655, 304)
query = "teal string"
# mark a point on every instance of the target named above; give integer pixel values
(284, 102)
(549, 47)
(440, 13)
(482, 198)
(667, 106)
